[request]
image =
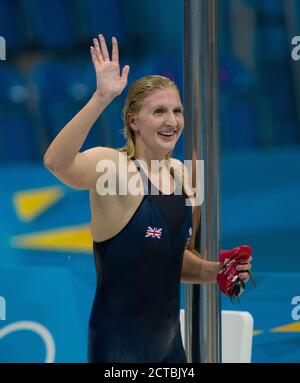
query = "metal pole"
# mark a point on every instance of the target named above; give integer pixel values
(202, 314)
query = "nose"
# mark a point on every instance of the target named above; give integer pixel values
(171, 119)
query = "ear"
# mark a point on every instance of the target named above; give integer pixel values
(132, 122)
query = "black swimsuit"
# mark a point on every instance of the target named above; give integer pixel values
(135, 313)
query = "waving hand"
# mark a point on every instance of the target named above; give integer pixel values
(109, 81)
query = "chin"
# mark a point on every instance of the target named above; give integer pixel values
(165, 147)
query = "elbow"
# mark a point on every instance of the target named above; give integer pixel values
(184, 278)
(48, 163)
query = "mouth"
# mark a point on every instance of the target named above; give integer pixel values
(168, 136)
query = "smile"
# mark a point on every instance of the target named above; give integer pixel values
(167, 135)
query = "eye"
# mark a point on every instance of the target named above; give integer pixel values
(178, 111)
(158, 110)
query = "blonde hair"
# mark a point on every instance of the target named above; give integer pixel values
(139, 90)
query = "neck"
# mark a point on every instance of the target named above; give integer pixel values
(153, 168)
(147, 156)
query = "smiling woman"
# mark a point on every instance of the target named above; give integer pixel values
(142, 242)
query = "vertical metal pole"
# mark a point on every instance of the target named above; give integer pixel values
(202, 314)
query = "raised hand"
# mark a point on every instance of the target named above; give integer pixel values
(109, 81)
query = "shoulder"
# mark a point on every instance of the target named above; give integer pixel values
(175, 163)
(104, 157)
(177, 167)
(101, 152)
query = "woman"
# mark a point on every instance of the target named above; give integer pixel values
(142, 242)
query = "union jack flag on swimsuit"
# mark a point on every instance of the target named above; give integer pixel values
(153, 232)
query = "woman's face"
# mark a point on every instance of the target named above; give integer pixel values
(159, 123)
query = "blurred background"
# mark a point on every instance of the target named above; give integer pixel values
(47, 276)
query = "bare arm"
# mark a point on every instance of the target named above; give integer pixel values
(197, 270)
(66, 145)
(63, 158)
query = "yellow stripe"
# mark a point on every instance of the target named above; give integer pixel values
(30, 204)
(73, 239)
(292, 327)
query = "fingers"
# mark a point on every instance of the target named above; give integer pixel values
(104, 50)
(101, 52)
(97, 50)
(244, 267)
(125, 72)
(115, 50)
(94, 57)
(244, 277)
(246, 262)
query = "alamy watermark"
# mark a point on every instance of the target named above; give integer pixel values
(296, 50)
(295, 313)
(131, 178)
(2, 308)
(2, 48)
